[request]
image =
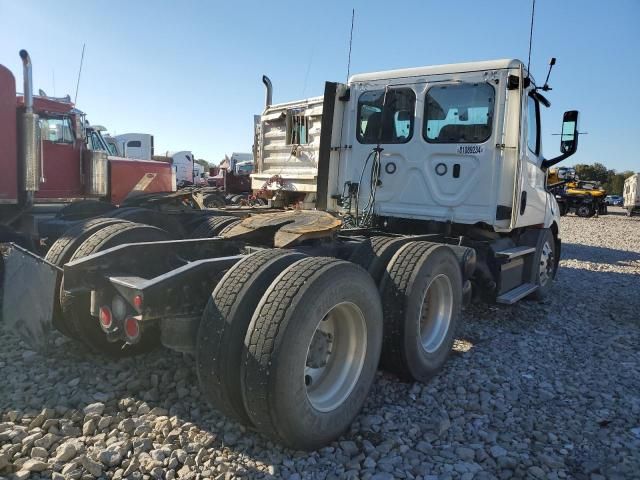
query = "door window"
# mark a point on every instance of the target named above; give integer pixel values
(386, 118)
(56, 130)
(113, 150)
(533, 126)
(459, 113)
(95, 142)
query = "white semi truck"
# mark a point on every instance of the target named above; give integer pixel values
(136, 145)
(425, 188)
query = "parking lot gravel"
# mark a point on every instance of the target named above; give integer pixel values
(540, 390)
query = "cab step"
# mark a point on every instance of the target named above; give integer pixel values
(512, 296)
(515, 252)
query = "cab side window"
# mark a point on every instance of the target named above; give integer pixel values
(386, 116)
(533, 125)
(56, 130)
(94, 142)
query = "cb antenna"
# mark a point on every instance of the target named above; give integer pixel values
(75, 99)
(533, 12)
(353, 16)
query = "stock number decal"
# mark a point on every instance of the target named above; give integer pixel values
(470, 149)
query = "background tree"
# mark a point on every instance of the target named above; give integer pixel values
(204, 163)
(596, 172)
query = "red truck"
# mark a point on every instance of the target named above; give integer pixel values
(50, 158)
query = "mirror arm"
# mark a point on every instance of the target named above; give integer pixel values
(552, 161)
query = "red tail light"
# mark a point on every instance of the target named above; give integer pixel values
(131, 328)
(106, 319)
(137, 301)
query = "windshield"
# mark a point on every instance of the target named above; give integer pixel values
(244, 168)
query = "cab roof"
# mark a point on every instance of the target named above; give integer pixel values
(50, 105)
(437, 70)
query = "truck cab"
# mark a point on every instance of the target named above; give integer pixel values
(451, 150)
(456, 144)
(452, 144)
(61, 136)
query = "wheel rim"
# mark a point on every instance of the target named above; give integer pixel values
(436, 313)
(335, 356)
(546, 264)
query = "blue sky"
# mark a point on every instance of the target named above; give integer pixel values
(189, 72)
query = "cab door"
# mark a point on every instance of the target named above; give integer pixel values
(60, 159)
(532, 200)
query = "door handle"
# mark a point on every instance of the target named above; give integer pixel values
(523, 202)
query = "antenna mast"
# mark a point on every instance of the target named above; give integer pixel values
(75, 100)
(533, 12)
(353, 15)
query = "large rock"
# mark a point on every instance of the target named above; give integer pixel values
(94, 409)
(65, 452)
(91, 466)
(35, 465)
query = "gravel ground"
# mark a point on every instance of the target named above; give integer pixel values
(536, 390)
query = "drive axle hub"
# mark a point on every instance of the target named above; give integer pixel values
(320, 349)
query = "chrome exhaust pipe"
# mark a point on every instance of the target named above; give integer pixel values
(269, 91)
(28, 80)
(31, 166)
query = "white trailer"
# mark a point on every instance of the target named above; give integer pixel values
(631, 194)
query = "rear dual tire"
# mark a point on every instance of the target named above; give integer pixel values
(312, 351)
(61, 252)
(422, 297)
(212, 226)
(224, 325)
(149, 216)
(375, 253)
(76, 305)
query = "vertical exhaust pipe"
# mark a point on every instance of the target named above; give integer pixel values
(28, 80)
(30, 162)
(269, 91)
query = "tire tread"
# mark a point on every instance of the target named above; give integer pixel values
(261, 337)
(215, 323)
